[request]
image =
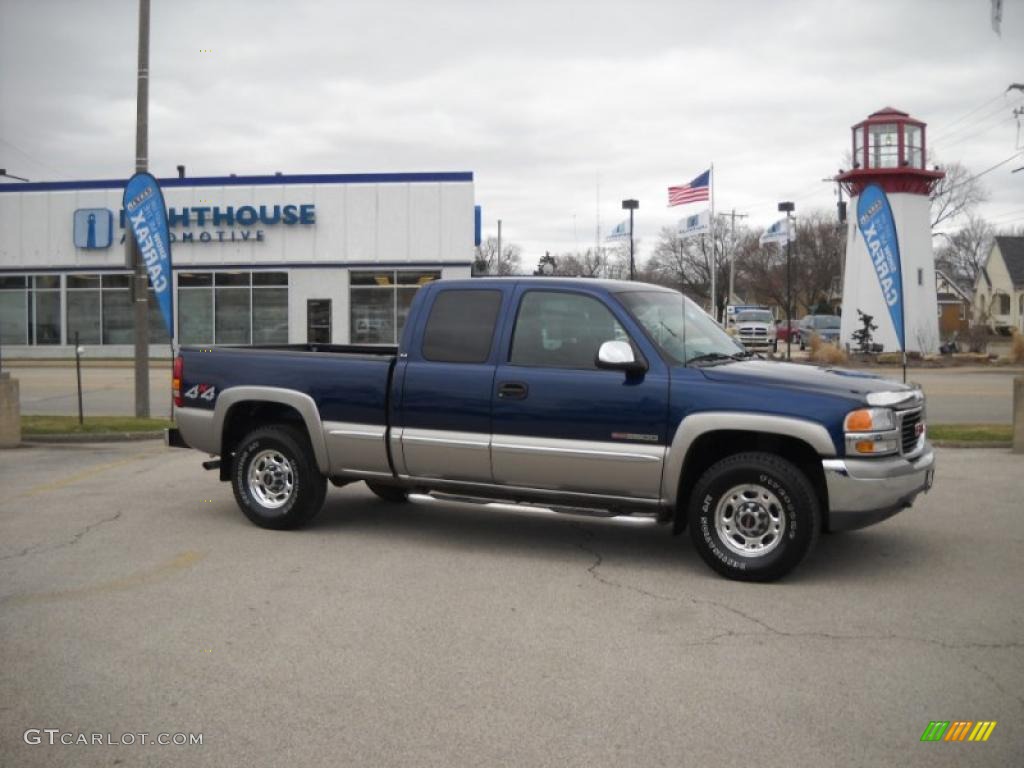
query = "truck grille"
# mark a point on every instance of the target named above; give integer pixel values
(909, 435)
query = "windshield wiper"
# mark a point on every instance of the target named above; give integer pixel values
(711, 357)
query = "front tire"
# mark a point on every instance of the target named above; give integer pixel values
(753, 516)
(276, 480)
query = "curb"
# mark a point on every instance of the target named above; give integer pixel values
(966, 444)
(97, 437)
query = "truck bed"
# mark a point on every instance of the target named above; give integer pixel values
(349, 383)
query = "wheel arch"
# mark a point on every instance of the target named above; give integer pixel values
(239, 410)
(704, 439)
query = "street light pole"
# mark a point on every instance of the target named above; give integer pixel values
(788, 208)
(631, 205)
(140, 295)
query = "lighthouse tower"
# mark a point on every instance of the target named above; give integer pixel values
(889, 150)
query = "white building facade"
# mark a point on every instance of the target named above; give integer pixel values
(256, 259)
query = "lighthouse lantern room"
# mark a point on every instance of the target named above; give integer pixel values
(889, 149)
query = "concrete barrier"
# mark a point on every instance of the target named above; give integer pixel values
(10, 412)
(1018, 414)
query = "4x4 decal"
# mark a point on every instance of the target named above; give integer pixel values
(205, 391)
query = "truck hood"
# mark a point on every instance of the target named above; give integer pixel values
(835, 381)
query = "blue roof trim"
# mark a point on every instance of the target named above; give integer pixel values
(245, 181)
(248, 266)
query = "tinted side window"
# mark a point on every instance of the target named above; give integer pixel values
(461, 326)
(562, 330)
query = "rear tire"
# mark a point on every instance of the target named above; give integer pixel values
(276, 480)
(391, 493)
(754, 516)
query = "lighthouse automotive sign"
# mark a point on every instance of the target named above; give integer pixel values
(147, 216)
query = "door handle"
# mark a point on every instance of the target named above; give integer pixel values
(513, 390)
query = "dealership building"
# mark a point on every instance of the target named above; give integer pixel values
(324, 258)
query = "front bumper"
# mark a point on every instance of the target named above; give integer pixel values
(862, 492)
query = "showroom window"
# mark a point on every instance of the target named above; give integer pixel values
(99, 308)
(30, 309)
(233, 307)
(379, 303)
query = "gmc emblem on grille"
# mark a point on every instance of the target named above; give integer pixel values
(918, 429)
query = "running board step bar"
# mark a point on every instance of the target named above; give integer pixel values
(530, 508)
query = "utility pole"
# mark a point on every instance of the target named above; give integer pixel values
(732, 255)
(841, 222)
(498, 265)
(788, 208)
(140, 293)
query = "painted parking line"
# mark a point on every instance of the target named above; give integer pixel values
(64, 482)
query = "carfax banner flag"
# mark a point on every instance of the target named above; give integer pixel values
(147, 216)
(874, 218)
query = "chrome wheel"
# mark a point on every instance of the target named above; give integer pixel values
(271, 479)
(750, 520)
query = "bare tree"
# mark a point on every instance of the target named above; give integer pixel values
(685, 263)
(761, 271)
(963, 253)
(486, 261)
(956, 194)
(819, 247)
(588, 263)
(816, 261)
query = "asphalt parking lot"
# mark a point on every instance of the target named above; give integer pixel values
(135, 598)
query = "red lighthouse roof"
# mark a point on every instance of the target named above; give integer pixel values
(889, 150)
(887, 112)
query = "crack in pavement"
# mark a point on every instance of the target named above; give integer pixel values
(768, 629)
(995, 684)
(37, 549)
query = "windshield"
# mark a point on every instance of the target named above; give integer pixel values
(826, 321)
(661, 315)
(757, 316)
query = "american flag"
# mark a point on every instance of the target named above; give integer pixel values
(697, 190)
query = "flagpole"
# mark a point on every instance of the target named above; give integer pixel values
(711, 226)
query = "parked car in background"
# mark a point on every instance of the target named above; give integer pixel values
(756, 329)
(825, 326)
(783, 331)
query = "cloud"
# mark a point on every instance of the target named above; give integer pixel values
(543, 101)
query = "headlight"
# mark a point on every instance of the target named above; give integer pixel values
(871, 432)
(869, 420)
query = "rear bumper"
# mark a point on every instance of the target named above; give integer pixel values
(173, 439)
(862, 492)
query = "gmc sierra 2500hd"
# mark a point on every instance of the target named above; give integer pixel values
(587, 397)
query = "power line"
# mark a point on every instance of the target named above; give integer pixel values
(946, 133)
(945, 144)
(976, 109)
(969, 179)
(40, 163)
(996, 217)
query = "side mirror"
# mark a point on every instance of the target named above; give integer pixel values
(618, 356)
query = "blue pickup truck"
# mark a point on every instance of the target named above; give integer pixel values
(585, 397)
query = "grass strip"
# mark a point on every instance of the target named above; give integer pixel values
(971, 433)
(68, 425)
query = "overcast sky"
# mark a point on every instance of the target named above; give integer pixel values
(543, 101)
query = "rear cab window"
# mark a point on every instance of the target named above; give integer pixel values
(460, 328)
